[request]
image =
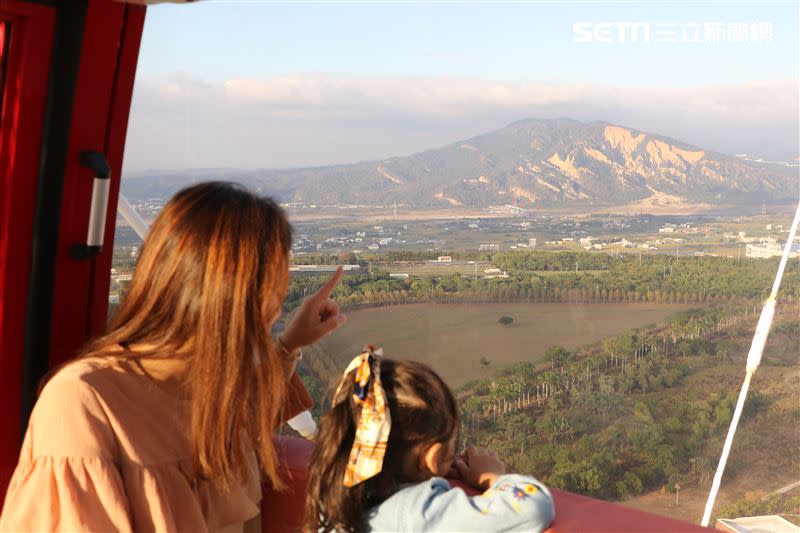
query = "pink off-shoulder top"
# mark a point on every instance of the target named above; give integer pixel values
(108, 450)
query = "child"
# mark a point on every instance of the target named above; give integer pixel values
(383, 448)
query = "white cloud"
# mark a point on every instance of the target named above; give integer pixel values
(314, 119)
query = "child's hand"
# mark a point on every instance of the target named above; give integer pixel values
(479, 467)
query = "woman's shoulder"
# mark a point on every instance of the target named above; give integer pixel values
(70, 417)
(74, 381)
(79, 370)
(80, 383)
(102, 378)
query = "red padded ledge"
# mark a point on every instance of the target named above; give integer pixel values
(283, 511)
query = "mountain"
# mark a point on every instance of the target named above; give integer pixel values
(548, 163)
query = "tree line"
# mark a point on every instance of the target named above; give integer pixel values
(544, 277)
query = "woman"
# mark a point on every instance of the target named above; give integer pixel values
(165, 422)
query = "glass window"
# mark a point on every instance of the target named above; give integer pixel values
(575, 220)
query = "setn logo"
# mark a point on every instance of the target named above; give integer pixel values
(611, 32)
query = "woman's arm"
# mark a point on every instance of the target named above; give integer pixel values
(297, 399)
(67, 478)
(253, 525)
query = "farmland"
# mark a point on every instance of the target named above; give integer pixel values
(454, 338)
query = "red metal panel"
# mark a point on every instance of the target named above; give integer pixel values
(91, 109)
(578, 513)
(24, 98)
(117, 128)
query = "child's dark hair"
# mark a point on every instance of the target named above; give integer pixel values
(423, 412)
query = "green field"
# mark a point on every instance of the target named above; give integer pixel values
(454, 338)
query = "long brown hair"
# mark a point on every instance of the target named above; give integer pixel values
(209, 283)
(423, 412)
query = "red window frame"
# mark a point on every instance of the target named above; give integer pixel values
(50, 302)
(28, 47)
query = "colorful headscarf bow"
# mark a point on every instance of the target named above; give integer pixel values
(375, 421)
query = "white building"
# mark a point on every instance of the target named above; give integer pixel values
(767, 250)
(488, 247)
(444, 259)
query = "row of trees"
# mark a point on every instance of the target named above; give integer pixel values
(382, 290)
(623, 279)
(644, 360)
(607, 423)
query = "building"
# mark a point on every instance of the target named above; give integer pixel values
(532, 243)
(488, 248)
(444, 259)
(765, 251)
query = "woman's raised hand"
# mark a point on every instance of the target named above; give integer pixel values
(316, 317)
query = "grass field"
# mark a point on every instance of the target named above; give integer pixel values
(454, 338)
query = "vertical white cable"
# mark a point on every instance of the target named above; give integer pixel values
(753, 360)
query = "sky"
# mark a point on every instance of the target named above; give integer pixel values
(256, 84)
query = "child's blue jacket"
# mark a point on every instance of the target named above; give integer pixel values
(513, 503)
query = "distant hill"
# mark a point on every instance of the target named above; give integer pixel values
(546, 163)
